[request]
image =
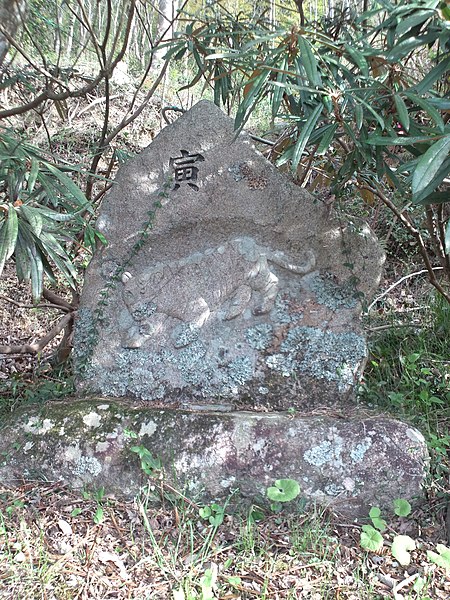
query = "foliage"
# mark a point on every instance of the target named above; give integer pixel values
(150, 464)
(375, 517)
(372, 540)
(214, 514)
(402, 507)
(21, 389)
(360, 112)
(442, 558)
(283, 490)
(41, 211)
(401, 547)
(408, 374)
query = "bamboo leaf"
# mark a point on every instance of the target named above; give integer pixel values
(327, 138)
(428, 108)
(280, 88)
(37, 271)
(429, 165)
(402, 111)
(252, 91)
(304, 136)
(309, 62)
(447, 239)
(358, 58)
(8, 235)
(33, 175)
(373, 112)
(381, 140)
(428, 194)
(359, 114)
(415, 19)
(23, 268)
(71, 187)
(33, 217)
(405, 47)
(434, 75)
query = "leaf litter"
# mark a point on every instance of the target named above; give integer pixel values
(51, 548)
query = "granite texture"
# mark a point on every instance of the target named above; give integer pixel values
(348, 463)
(242, 292)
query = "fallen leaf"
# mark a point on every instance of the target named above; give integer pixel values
(65, 527)
(105, 557)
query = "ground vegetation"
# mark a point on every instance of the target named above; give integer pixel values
(350, 100)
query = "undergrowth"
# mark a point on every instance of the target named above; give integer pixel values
(408, 376)
(44, 384)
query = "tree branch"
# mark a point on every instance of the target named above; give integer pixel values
(21, 305)
(37, 347)
(55, 299)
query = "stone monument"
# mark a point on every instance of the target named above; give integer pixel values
(222, 283)
(221, 325)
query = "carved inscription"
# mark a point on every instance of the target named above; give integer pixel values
(223, 281)
(184, 169)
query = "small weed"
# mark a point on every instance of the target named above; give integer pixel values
(23, 389)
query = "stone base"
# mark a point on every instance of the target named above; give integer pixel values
(348, 463)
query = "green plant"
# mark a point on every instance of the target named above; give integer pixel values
(150, 464)
(214, 514)
(442, 558)
(98, 496)
(41, 212)
(20, 389)
(360, 113)
(371, 538)
(283, 490)
(409, 374)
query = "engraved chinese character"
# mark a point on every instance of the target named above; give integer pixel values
(185, 169)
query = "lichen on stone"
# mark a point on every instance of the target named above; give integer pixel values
(332, 489)
(283, 311)
(325, 452)
(359, 450)
(87, 465)
(143, 310)
(239, 371)
(318, 455)
(185, 334)
(323, 354)
(283, 363)
(331, 294)
(260, 336)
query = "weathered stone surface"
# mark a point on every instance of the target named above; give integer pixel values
(242, 293)
(349, 463)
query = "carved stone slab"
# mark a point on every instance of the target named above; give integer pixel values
(222, 283)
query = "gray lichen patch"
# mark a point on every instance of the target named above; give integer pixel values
(359, 450)
(331, 294)
(87, 465)
(260, 336)
(37, 426)
(326, 453)
(93, 419)
(321, 354)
